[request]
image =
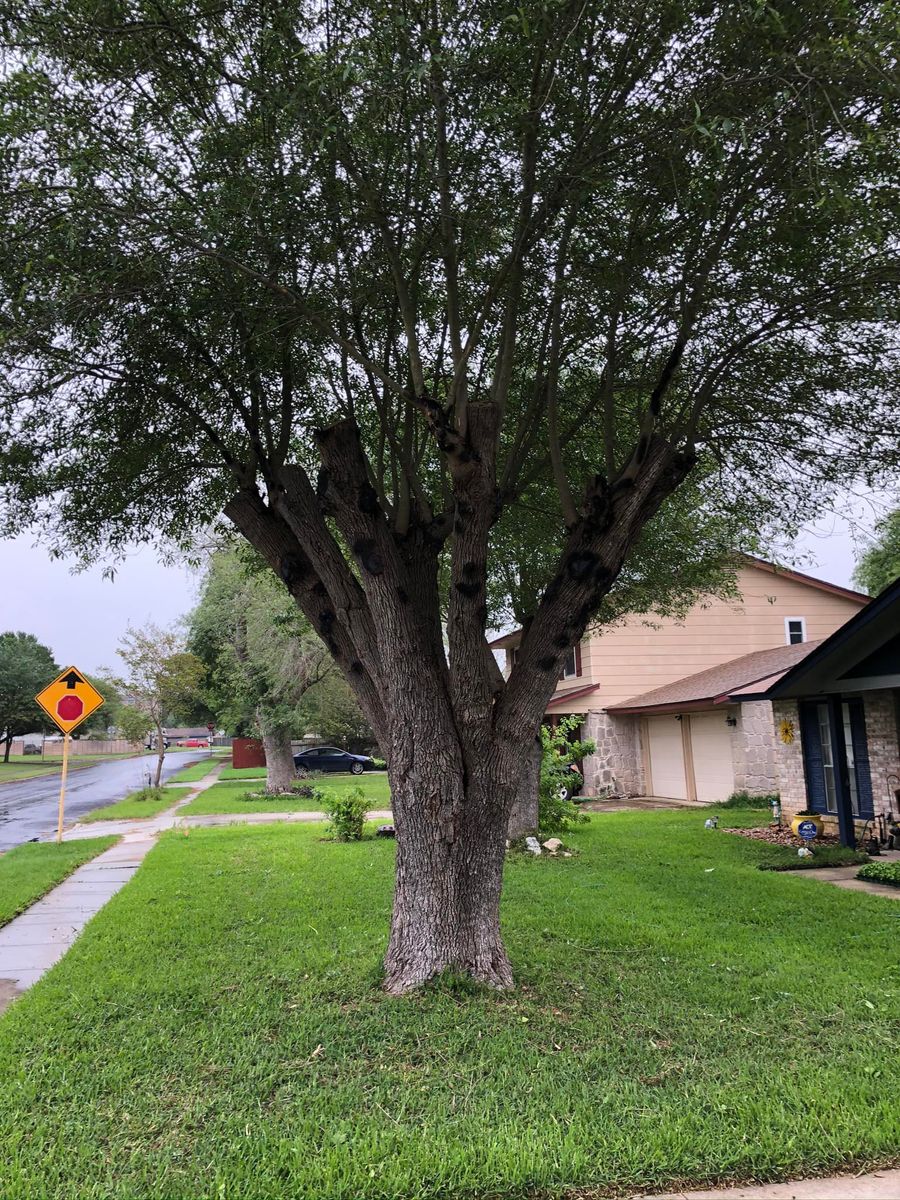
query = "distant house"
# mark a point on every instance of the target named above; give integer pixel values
(659, 699)
(837, 722)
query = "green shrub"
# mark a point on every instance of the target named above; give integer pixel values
(149, 793)
(346, 813)
(881, 872)
(379, 764)
(555, 814)
(785, 858)
(746, 800)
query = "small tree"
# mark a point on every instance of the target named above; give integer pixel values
(26, 666)
(879, 565)
(261, 654)
(556, 812)
(161, 680)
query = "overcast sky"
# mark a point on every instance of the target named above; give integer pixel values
(81, 617)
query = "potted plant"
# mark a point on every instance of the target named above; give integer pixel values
(807, 817)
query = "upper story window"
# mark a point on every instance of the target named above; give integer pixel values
(794, 630)
(572, 663)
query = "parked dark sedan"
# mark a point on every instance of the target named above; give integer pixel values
(329, 758)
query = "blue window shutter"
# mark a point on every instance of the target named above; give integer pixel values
(812, 758)
(861, 758)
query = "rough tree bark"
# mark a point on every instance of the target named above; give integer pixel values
(458, 738)
(279, 761)
(524, 816)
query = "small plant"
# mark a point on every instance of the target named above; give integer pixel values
(881, 872)
(747, 800)
(148, 793)
(379, 764)
(299, 787)
(346, 814)
(556, 812)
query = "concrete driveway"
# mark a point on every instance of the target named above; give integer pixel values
(28, 806)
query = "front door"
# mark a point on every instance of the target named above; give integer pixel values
(818, 756)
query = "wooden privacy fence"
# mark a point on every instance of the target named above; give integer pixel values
(76, 746)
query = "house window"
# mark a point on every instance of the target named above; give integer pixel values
(794, 630)
(818, 756)
(571, 668)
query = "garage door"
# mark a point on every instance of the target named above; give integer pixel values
(711, 751)
(666, 757)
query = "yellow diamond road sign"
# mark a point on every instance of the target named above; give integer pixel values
(69, 700)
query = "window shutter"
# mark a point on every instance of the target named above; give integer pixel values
(812, 758)
(861, 758)
(578, 658)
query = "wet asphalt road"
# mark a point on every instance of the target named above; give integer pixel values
(28, 807)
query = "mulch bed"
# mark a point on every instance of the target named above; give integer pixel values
(782, 837)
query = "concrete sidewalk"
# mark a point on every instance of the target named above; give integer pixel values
(35, 941)
(879, 1185)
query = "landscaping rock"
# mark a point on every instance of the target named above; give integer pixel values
(552, 845)
(532, 845)
(385, 831)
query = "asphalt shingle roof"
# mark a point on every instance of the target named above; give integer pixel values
(716, 683)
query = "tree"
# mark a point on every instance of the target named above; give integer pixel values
(879, 565)
(161, 679)
(365, 277)
(26, 666)
(261, 657)
(99, 722)
(332, 713)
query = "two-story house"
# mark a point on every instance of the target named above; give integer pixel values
(657, 695)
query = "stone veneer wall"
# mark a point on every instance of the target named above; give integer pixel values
(753, 749)
(617, 760)
(880, 709)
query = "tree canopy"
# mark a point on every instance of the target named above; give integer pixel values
(26, 666)
(393, 285)
(879, 564)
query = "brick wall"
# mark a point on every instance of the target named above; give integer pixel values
(884, 746)
(884, 756)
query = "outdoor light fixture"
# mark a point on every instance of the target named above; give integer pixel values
(732, 721)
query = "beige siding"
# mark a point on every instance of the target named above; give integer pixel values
(635, 657)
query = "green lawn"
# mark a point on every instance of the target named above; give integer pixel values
(28, 871)
(243, 773)
(226, 797)
(197, 770)
(217, 1030)
(134, 807)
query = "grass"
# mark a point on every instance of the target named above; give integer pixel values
(228, 797)
(194, 771)
(217, 1030)
(29, 871)
(243, 773)
(785, 858)
(147, 802)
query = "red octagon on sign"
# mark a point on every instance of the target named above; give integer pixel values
(70, 708)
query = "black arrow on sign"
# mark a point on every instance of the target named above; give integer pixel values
(71, 679)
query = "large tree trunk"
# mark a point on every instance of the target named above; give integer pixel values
(450, 856)
(279, 761)
(524, 816)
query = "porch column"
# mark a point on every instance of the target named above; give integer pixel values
(841, 772)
